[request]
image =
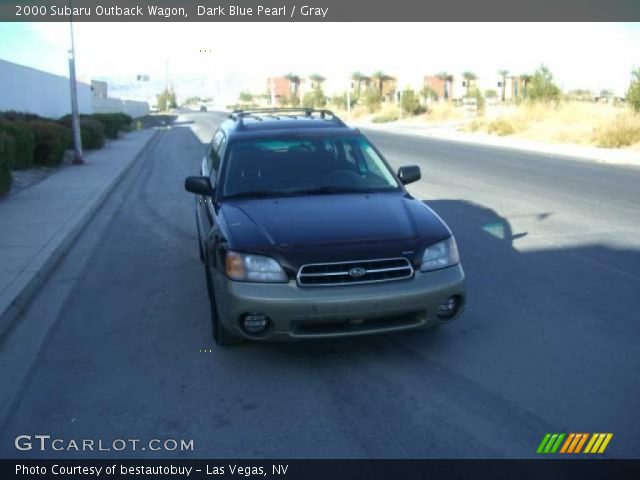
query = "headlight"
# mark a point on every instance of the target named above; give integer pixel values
(440, 255)
(253, 268)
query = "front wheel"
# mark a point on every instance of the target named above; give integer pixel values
(220, 334)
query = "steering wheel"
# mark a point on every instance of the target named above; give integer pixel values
(347, 175)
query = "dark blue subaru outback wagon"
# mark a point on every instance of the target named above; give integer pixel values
(306, 232)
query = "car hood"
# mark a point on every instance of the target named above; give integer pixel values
(326, 228)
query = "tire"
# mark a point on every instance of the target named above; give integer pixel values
(220, 334)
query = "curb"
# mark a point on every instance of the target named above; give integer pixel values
(28, 283)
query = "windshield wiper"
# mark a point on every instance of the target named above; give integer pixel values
(260, 193)
(327, 190)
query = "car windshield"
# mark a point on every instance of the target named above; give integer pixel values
(302, 166)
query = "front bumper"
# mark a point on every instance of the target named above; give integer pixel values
(297, 313)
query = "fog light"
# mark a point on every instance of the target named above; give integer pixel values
(448, 308)
(255, 323)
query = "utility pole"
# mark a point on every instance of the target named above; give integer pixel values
(143, 80)
(166, 72)
(75, 116)
(273, 91)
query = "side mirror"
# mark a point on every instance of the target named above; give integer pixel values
(409, 174)
(198, 185)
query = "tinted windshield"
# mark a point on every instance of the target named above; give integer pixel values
(304, 166)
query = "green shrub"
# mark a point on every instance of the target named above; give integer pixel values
(294, 101)
(7, 149)
(410, 102)
(542, 87)
(340, 101)
(52, 139)
(15, 116)
(476, 94)
(125, 119)
(24, 142)
(113, 122)
(372, 99)
(314, 99)
(245, 97)
(633, 94)
(428, 93)
(491, 93)
(91, 131)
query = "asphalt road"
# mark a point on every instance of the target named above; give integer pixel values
(549, 342)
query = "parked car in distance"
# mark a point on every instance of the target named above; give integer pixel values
(203, 108)
(306, 232)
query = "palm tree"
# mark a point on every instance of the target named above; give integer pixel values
(317, 79)
(526, 78)
(446, 79)
(469, 77)
(503, 74)
(358, 78)
(295, 82)
(380, 77)
(428, 93)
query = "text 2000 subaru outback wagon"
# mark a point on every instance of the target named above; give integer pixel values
(306, 232)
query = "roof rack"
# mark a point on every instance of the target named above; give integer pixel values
(256, 113)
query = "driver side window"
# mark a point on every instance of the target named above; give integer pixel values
(213, 157)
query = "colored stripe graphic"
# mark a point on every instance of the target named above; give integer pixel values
(594, 437)
(582, 440)
(556, 446)
(568, 442)
(576, 439)
(605, 443)
(550, 443)
(598, 443)
(544, 441)
(573, 443)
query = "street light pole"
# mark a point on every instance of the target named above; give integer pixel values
(75, 117)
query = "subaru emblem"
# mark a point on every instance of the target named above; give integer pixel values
(357, 272)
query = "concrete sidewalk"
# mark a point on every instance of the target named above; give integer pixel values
(38, 224)
(449, 131)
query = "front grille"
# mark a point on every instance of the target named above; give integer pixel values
(355, 272)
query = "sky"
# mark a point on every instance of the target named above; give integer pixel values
(240, 56)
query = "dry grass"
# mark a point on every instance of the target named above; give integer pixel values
(622, 132)
(356, 113)
(439, 112)
(388, 113)
(568, 122)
